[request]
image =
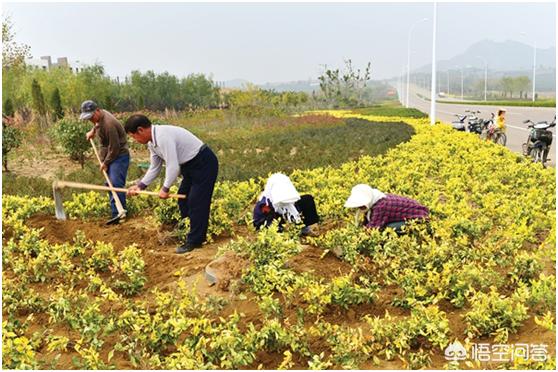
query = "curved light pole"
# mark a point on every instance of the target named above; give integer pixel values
(485, 75)
(534, 63)
(409, 58)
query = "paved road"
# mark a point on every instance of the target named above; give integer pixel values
(516, 132)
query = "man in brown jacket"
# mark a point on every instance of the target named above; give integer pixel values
(114, 153)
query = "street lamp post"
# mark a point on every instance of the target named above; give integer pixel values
(461, 69)
(433, 84)
(462, 83)
(485, 75)
(409, 58)
(402, 86)
(534, 67)
(448, 83)
(534, 64)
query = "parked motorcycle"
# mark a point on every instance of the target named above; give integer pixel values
(539, 140)
(474, 123)
(459, 124)
(479, 125)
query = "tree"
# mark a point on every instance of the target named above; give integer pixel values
(521, 84)
(507, 85)
(13, 62)
(39, 103)
(92, 83)
(11, 139)
(199, 91)
(345, 87)
(140, 91)
(56, 105)
(13, 54)
(70, 134)
(8, 108)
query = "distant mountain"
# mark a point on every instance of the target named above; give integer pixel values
(501, 56)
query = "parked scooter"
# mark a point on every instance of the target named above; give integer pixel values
(459, 124)
(472, 121)
(477, 124)
(539, 140)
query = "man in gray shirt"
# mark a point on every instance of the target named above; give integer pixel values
(183, 153)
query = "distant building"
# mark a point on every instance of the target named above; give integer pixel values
(46, 63)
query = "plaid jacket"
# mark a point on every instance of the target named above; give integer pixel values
(394, 208)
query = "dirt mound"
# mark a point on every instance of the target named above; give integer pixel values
(163, 266)
(311, 260)
(225, 269)
(122, 235)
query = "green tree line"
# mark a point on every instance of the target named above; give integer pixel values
(511, 85)
(59, 89)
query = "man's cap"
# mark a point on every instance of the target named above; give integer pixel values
(87, 109)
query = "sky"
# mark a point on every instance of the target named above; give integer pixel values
(269, 42)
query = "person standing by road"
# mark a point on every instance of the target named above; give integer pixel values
(501, 120)
(183, 153)
(114, 154)
(497, 132)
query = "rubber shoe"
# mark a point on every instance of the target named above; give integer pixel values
(188, 247)
(305, 231)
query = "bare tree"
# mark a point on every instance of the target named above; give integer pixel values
(344, 87)
(13, 54)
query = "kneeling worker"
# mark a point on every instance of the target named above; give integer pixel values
(183, 153)
(385, 210)
(281, 201)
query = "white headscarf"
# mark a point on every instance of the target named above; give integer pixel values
(363, 196)
(281, 192)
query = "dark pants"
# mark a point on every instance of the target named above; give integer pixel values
(117, 172)
(397, 226)
(199, 176)
(307, 208)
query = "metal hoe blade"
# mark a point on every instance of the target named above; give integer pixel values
(58, 206)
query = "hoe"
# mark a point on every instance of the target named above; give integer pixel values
(57, 186)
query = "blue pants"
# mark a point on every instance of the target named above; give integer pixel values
(117, 172)
(198, 181)
(397, 226)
